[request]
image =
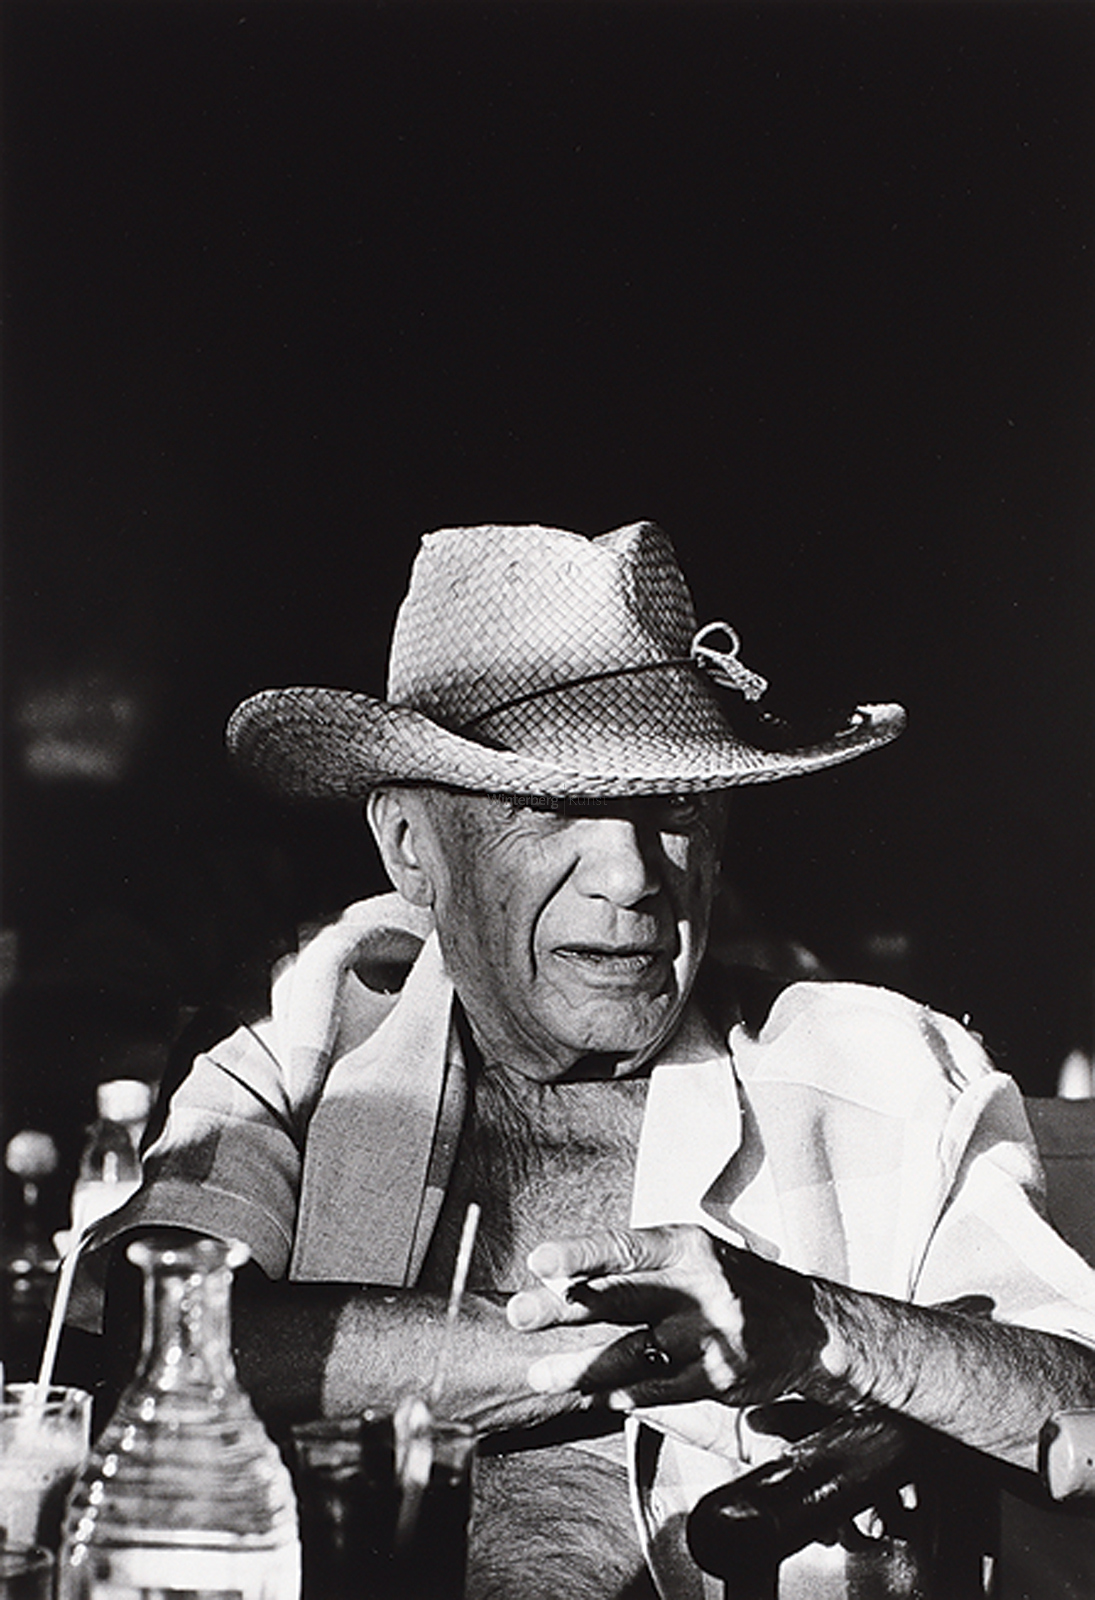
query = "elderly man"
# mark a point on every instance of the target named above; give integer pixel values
(529, 1022)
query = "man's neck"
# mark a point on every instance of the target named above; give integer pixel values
(595, 1067)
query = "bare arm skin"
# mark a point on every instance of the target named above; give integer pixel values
(735, 1327)
(306, 1350)
(382, 1343)
(984, 1383)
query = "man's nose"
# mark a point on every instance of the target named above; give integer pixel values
(615, 861)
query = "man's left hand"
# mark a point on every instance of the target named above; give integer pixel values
(706, 1319)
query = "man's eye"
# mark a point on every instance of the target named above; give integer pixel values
(681, 810)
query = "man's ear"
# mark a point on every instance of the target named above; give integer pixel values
(400, 827)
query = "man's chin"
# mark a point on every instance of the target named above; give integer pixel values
(632, 1039)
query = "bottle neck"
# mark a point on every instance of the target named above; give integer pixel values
(109, 1155)
(187, 1328)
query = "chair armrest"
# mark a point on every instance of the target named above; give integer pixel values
(1067, 1455)
(819, 1482)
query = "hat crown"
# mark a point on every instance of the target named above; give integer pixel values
(497, 612)
(531, 660)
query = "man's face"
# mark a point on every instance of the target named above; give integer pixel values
(571, 929)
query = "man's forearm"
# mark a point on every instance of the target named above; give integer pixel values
(307, 1350)
(331, 1349)
(727, 1323)
(985, 1383)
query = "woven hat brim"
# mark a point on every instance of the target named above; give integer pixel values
(336, 743)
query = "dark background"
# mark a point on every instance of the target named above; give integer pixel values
(286, 285)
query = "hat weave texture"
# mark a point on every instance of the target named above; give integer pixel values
(528, 659)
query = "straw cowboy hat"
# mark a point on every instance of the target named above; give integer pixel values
(530, 660)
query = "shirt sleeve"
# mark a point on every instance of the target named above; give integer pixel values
(227, 1163)
(993, 1237)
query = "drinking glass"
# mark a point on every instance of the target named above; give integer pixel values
(25, 1573)
(43, 1442)
(364, 1534)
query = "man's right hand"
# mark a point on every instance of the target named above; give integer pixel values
(329, 1349)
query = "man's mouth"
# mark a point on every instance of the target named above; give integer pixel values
(612, 962)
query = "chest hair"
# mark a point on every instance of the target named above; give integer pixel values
(542, 1160)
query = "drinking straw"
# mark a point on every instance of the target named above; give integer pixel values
(411, 1425)
(456, 1295)
(57, 1318)
(413, 1415)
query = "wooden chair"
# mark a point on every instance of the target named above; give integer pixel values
(976, 1532)
(1047, 1551)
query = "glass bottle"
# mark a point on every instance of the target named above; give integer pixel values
(28, 1257)
(110, 1168)
(184, 1490)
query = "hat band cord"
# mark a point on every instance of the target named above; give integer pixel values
(722, 666)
